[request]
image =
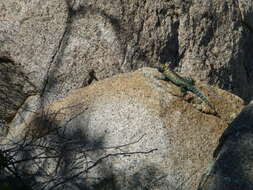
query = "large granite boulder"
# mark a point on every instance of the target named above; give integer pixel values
(130, 131)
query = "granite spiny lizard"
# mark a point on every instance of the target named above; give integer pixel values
(186, 83)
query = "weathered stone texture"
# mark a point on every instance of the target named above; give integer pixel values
(62, 42)
(231, 168)
(138, 113)
(15, 87)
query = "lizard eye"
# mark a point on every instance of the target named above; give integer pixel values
(160, 69)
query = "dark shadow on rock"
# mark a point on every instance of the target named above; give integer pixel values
(170, 53)
(62, 155)
(150, 177)
(15, 87)
(233, 157)
(237, 75)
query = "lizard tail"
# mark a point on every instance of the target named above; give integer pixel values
(201, 96)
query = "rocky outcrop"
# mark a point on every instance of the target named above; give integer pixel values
(50, 48)
(232, 165)
(62, 44)
(129, 131)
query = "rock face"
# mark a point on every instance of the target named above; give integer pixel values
(50, 48)
(246, 8)
(129, 132)
(60, 47)
(232, 168)
(30, 33)
(15, 88)
(63, 43)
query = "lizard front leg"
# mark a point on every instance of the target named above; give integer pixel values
(162, 77)
(183, 91)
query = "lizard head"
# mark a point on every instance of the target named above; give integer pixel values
(162, 67)
(159, 66)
